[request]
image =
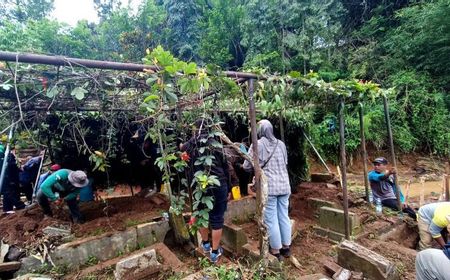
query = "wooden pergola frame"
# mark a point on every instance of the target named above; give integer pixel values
(240, 77)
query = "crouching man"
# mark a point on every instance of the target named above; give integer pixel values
(63, 185)
(433, 218)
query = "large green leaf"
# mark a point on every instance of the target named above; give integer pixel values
(78, 93)
(52, 92)
(190, 68)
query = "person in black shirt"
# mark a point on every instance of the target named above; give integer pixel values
(218, 168)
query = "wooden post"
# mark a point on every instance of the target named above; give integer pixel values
(343, 165)
(391, 146)
(363, 150)
(259, 194)
(447, 181)
(281, 127)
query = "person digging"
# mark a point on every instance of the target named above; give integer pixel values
(63, 185)
(433, 218)
(383, 187)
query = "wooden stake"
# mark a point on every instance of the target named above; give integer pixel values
(391, 146)
(343, 160)
(447, 181)
(408, 185)
(363, 151)
(422, 192)
(260, 182)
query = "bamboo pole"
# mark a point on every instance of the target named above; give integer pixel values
(35, 186)
(391, 146)
(363, 150)
(317, 153)
(447, 181)
(343, 165)
(422, 192)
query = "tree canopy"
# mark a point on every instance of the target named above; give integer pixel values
(399, 44)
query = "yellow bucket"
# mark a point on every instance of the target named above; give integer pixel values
(236, 192)
(164, 189)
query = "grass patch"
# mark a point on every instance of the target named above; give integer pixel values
(132, 223)
(98, 231)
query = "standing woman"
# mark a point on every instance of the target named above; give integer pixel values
(273, 161)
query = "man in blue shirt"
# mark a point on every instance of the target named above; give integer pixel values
(28, 175)
(383, 186)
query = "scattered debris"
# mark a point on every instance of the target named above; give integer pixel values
(4, 248)
(56, 231)
(342, 274)
(34, 277)
(358, 258)
(9, 266)
(139, 266)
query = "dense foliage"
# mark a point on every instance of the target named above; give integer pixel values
(401, 44)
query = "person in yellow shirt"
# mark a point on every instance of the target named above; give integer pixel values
(432, 219)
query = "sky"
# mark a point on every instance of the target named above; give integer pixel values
(71, 11)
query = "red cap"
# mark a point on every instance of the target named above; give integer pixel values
(55, 167)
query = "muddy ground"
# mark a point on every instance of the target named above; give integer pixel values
(313, 251)
(116, 213)
(24, 228)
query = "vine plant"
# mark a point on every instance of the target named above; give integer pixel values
(160, 103)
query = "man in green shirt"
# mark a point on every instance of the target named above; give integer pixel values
(63, 185)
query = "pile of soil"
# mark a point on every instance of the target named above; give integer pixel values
(24, 228)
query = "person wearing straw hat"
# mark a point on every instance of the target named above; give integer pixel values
(42, 177)
(63, 185)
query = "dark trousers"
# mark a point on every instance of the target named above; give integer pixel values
(392, 203)
(216, 215)
(27, 189)
(73, 207)
(11, 197)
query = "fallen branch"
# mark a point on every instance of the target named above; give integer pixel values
(235, 147)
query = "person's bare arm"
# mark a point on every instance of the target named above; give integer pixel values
(441, 241)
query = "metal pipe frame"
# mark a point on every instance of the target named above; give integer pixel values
(98, 64)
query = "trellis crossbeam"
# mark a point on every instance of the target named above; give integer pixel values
(98, 64)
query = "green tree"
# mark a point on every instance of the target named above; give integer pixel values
(149, 31)
(182, 19)
(221, 33)
(23, 10)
